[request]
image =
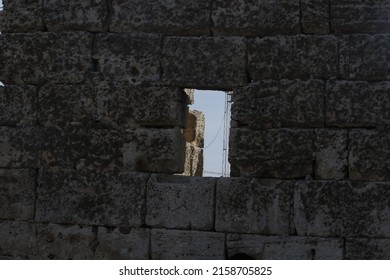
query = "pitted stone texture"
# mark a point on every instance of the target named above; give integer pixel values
(37, 58)
(331, 153)
(315, 16)
(193, 164)
(357, 104)
(154, 150)
(122, 243)
(343, 208)
(174, 17)
(92, 198)
(367, 249)
(364, 16)
(284, 248)
(194, 131)
(65, 242)
(284, 103)
(369, 155)
(70, 15)
(365, 57)
(17, 239)
(17, 194)
(204, 62)
(255, 17)
(133, 59)
(187, 245)
(180, 202)
(293, 57)
(18, 105)
(273, 153)
(253, 206)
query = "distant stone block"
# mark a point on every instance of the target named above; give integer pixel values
(18, 239)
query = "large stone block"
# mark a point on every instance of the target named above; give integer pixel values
(273, 153)
(194, 128)
(284, 248)
(204, 62)
(193, 165)
(315, 16)
(92, 198)
(180, 202)
(187, 245)
(17, 194)
(17, 239)
(284, 103)
(367, 249)
(293, 57)
(255, 17)
(37, 58)
(369, 155)
(176, 17)
(343, 208)
(357, 104)
(253, 206)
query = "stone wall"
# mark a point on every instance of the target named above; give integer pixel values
(93, 110)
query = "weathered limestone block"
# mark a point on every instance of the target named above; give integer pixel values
(193, 163)
(293, 57)
(129, 58)
(194, 130)
(357, 104)
(176, 17)
(204, 62)
(37, 58)
(17, 194)
(70, 15)
(367, 249)
(315, 16)
(253, 206)
(190, 95)
(91, 198)
(17, 239)
(187, 245)
(364, 16)
(65, 242)
(342, 208)
(284, 248)
(369, 155)
(365, 57)
(273, 153)
(122, 243)
(18, 105)
(180, 202)
(331, 153)
(272, 103)
(255, 17)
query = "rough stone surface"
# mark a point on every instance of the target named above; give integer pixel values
(253, 206)
(193, 164)
(284, 248)
(315, 16)
(194, 130)
(367, 249)
(180, 202)
(184, 245)
(17, 239)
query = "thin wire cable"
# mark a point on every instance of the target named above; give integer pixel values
(215, 138)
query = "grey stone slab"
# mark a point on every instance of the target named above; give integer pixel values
(204, 62)
(187, 245)
(315, 16)
(285, 103)
(92, 198)
(272, 153)
(367, 249)
(246, 205)
(255, 17)
(122, 243)
(17, 194)
(180, 202)
(284, 247)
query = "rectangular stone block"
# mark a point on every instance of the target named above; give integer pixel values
(284, 248)
(315, 16)
(91, 198)
(177, 17)
(342, 209)
(293, 57)
(357, 104)
(204, 62)
(367, 249)
(273, 153)
(38, 58)
(255, 17)
(122, 243)
(18, 105)
(180, 202)
(253, 206)
(187, 245)
(369, 155)
(17, 194)
(284, 103)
